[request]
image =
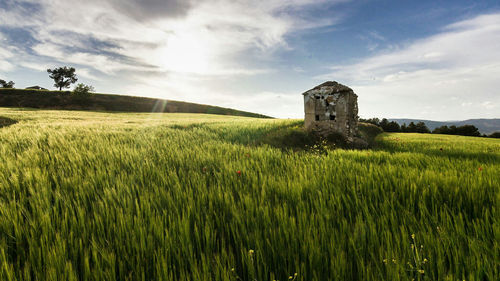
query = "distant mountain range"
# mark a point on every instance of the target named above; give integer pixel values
(485, 126)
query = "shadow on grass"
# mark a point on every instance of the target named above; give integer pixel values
(289, 137)
(482, 157)
(4, 122)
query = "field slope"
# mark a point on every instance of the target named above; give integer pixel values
(134, 196)
(106, 102)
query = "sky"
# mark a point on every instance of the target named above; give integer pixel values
(426, 59)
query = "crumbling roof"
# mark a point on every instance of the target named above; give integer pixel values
(334, 86)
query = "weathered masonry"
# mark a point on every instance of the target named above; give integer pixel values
(331, 107)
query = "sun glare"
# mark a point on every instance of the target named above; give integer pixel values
(185, 54)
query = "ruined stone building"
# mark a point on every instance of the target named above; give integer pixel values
(331, 107)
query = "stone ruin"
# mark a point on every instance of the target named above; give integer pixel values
(331, 108)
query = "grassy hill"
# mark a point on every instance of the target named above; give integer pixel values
(150, 196)
(106, 102)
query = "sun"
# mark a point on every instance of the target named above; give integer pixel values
(185, 53)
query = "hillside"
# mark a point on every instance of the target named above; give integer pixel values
(107, 102)
(485, 126)
(137, 196)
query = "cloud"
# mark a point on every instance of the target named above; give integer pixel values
(5, 55)
(298, 69)
(146, 10)
(180, 49)
(372, 39)
(461, 61)
(198, 37)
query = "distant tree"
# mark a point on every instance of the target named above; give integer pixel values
(412, 128)
(392, 127)
(389, 126)
(5, 84)
(422, 128)
(441, 130)
(374, 121)
(495, 135)
(383, 124)
(465, 130)
(404, 128)
(63, 76)
(83, 90)
(81, 94)
(468, 130)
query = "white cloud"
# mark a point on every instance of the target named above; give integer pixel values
(5, 65)
(4, 55)
(488, 105)
(461, 62)
(201, 37)
(186, 52)
(298, 69)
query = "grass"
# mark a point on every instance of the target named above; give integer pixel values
(129, 196)
(105, 102)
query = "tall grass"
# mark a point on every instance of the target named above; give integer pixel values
(98, 196)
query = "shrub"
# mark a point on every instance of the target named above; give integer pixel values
(495, 135)
(7, 85)
(83, 90)
(375, 121)
(369, 132)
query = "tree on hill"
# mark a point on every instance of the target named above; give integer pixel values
(6, 84)
(63, 76)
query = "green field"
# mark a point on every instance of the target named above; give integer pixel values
(159, 196)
